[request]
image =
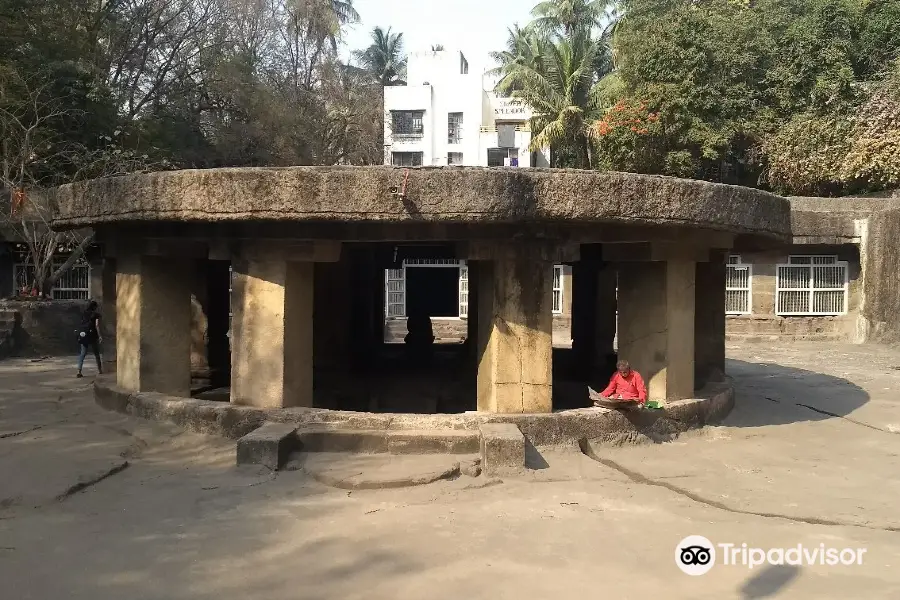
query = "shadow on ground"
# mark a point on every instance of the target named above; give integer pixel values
(773, 394)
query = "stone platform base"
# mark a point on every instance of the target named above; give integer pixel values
(380, 432)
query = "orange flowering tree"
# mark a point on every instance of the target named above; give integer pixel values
(625, 135)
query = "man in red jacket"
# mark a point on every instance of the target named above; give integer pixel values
(625, 384)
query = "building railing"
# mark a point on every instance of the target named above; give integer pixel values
(492, 129)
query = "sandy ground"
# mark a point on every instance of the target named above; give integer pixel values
(103, 507)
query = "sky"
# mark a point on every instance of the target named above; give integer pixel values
(476, 27)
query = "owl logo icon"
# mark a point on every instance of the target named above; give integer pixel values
(695, 555)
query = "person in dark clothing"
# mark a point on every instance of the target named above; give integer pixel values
(89, 336)
(420, 339)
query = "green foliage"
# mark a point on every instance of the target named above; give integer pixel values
(757, 93)
(807, 154)
(384, 59)
(874, 153)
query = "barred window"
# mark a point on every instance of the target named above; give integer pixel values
(408, 123)
(557, 289)
(811, 285)
(454, 128)
(738, 294)
(73, 284)
(406, 159)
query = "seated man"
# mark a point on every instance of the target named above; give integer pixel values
(625, 384)
(420, 339)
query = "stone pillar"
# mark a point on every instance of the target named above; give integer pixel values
(515, 324)
(153, 320)
(333, 293)
(272, 333)
(218, 305)
(656, 324)
(272, 323)
(584, 313)
(594, 316)
(199, 324)
(605, 322)
(472, 318)
(709, 322)
(108, 306)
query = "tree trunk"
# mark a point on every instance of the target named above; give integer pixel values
(589, 153)
(77, 253)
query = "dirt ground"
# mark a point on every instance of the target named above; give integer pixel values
(98, 506)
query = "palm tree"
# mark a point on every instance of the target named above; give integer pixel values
(384, 59)
(559, 88)
(523, 48)
(566, 17)
(331, 16)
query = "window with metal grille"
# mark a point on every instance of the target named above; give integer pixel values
(738, 288)
(454, 128)
(455, 158)
(406, 159)
(812, 286)
(407, 123)
(463, 291)
(557, 289)
(73, 284)
(395, 293)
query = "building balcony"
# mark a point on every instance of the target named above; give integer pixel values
(493, 129)
(408, 136)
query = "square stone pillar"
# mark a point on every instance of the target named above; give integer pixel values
(333, 293)
(199, 320)
(272, 323)
(272, 333)
(594, 316)
(472, 318)
(108, 308)
(515, 323)
(153, 324)
(709, 323)
(656, 324)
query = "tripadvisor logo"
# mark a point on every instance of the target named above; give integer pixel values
(696, 555)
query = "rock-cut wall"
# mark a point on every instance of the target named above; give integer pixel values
(881, 260)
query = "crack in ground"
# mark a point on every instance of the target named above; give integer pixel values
(854, 421)
(83, 485)
(4, 436)
(636, 477)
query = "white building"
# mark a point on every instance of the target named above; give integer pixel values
(448, 116)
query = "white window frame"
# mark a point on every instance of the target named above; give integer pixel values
(811, 262)
(454, 129)
(462, 290)
(396, 155)
(558, 291)
(735, 262)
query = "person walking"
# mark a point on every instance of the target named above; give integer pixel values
(89, 336)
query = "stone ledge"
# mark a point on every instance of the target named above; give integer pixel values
(433, 194)
(563, 427)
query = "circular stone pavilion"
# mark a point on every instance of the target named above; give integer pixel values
(308, 247)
